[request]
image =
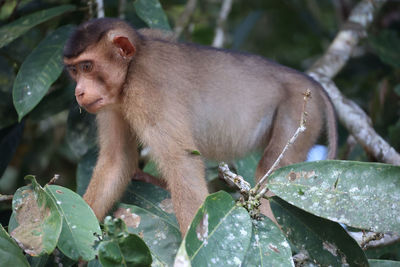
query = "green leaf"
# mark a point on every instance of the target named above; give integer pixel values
(268, 246)
(326, 242)
(10, 253)
(219, 234)
(80, 225)
(195, 153)
(361, 195)
(152, 198)
(18, 27)
(162, 237)
(39, 221)
(128, 251)
(151, 12)
(120, 248)
(38, 72)
(383, 263)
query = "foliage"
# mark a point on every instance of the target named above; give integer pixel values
(316, 204)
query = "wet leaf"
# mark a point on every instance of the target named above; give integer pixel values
(162, 237)
(80, 225)
(120, 248)
(359, 194)
(151, 12)
(39, 222)
(38, 72)
(18, 27)
(10, 253)
(268, 246)
(152, 198)
(326, 242)
(219, 234)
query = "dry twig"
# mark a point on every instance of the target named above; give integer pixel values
(184, 18)
(300, 129)
(219, 37)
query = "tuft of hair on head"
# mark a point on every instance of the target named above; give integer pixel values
(91, 32)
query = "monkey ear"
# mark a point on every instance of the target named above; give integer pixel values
(126, 48)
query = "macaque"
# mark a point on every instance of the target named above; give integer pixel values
(175, 98)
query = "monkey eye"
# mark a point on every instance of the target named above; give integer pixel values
(72, 69)
(86, 66)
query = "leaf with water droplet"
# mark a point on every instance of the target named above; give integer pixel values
(38, 72)
(359, 194)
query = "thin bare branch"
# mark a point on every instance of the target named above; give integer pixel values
(121, 9)
(54, 179)
(233, 178)
(6, 197)
(219, 37)
(370, 239)
(100, 8)
(300, 129)
(184, 18)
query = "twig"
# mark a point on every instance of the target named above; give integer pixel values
(233, 178)
(6, 197)
(301, 257)
(219, 32)
(100, 8)
(121, 9)
(370, 239)
(54, 179)
(184, 17)
(300, 129)
(349, 113)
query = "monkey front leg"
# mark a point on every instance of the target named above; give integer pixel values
(116, 163)
(183, 172)
(188, 189)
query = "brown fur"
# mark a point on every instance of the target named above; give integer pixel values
(176, 98)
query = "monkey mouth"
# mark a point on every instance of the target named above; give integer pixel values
(93, 106)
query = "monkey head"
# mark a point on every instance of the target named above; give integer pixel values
(98, 58)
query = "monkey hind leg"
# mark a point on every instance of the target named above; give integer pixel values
(285, 124)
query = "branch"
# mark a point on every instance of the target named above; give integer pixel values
(233, 178)
(371, 240)
(219, 32)
(100, 8)
(6, 197)
(300, 129)
(184, 17)
(350, 114)
(121, 9)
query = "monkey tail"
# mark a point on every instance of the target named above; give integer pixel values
(331, 125)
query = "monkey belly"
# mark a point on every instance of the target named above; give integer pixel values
(226, 141)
